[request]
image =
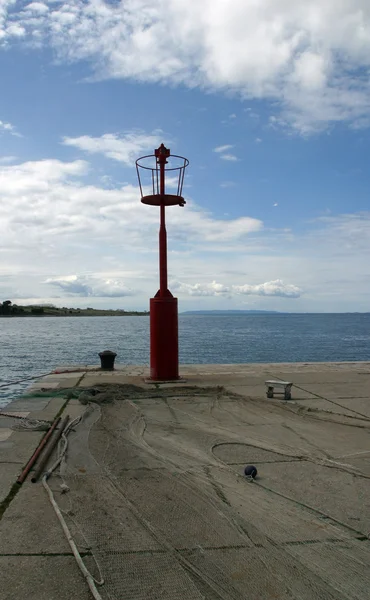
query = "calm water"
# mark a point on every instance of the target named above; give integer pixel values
(32, 346)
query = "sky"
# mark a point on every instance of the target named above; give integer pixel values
(268, 99)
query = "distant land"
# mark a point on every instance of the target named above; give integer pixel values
(8, 309)
(231, 312)
(263, 312)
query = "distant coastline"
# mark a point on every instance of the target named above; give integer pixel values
(10, 311)
(232, 312)
(265, 312)
(101, 313)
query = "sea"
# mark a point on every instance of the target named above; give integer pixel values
(33, 346)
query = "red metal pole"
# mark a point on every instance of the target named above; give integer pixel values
(163, 283)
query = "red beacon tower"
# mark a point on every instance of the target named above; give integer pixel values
(154, 172)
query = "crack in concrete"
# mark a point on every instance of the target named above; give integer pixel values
(9, 498)
(43, 554)
(198, 548)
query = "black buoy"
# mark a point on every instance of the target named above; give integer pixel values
(107, 360)
(250, 471)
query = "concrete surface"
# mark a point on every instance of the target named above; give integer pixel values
(5, 433)
(8, 474)
(30, 524)
(19, 446)
(41, 578)
(158, 495)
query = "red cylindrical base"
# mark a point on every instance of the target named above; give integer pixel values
(164, 339)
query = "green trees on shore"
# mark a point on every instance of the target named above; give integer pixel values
(7, 308)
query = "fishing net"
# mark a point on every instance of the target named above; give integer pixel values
(147, 490)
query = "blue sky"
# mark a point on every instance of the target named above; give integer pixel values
(270, 103)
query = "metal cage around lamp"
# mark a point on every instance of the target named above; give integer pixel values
(149, 172)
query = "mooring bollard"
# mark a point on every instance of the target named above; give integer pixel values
(107, 358)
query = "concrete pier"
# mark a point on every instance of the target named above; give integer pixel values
(157, 496)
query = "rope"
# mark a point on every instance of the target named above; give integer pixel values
(55, 372)
(297, 502)
(61, 454)
(356, 412)
(78, 370)
(32, 425)
(25, 379)
(27, 423)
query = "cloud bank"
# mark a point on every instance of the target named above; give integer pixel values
(85, 286)
(53, 216)
(269, 288)
(311, 58)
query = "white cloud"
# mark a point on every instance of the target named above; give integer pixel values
(5, 160)
(38, 7)
(227, 184)
(229, 157)
(223, 148)
(46, 197)
(276, 204)
(82, 285)
(15, 30)
(311, 57)
(8, 127)
(52, 218)
(258, 140)
(124, 148)
(197, 225)
(310, 71)
(37, 176)
(55, 221)
(270, 288)
(200, 289)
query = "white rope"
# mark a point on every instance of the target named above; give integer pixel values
(86, 573)
(9, 383)
(32, 425)
(27, 422)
